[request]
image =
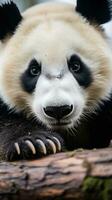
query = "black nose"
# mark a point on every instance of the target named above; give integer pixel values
(58, 112)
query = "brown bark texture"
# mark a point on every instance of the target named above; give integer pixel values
(78, 175)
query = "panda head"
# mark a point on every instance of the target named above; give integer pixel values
(54, 65)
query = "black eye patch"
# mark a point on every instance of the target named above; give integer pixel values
(30, 76)
(80, 71)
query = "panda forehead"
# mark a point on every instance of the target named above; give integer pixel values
(55, 37)
(49, 43)
(53, 42)
(52, 38)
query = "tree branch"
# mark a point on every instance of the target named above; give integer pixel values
(79, 175)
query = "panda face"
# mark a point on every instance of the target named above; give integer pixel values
(55, 68)
(58, 89)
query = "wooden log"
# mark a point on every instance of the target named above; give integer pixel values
(78, 175)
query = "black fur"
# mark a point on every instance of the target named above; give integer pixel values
(16, 128)
(95, 10)
(83, 75)
(28, 81)
(94, 132)
(10, 17)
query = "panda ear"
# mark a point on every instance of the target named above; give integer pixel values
(97, 11)
(10, 17)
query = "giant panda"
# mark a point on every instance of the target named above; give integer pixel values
(55, 79)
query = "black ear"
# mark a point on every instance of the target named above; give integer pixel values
(95, 10)
(10, 17)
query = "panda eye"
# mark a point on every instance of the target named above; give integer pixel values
(80, 71)
(34, 71)
(74, 64)
(34, 68)
(75, 67)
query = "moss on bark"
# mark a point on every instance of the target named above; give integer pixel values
(97, 188)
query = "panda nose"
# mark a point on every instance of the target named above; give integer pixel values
(58, 112)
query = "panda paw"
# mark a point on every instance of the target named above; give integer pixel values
(32, 147)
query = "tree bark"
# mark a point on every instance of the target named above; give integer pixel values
(78, 175)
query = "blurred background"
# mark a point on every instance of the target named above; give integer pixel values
(23, 4)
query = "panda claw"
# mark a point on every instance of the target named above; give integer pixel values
(43, 147)
(47, 145)
(51, 143)
(58, 143)
(31, 146)
(17, 148)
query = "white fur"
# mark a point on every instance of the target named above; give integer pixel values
(58, 92)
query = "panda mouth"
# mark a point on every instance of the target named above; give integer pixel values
(60, 124)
